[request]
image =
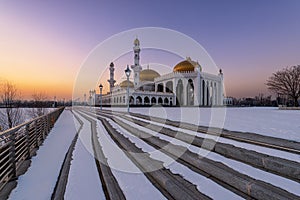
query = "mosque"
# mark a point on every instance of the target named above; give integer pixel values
(186, 85)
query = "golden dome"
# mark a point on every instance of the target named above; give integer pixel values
(125, 83)
(136, 42)
(148, 75)
(186, 66)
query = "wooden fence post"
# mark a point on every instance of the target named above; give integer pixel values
(44, 128)
(48, 124)
(12, 138)
(36, 134)
(27, 141)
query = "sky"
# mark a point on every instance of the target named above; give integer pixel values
(44, 43)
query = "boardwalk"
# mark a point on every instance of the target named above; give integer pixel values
(45, 167)
(103, 155)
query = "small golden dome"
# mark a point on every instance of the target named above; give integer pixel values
(136, 42)
(125, 83)
(148, 75)
(186, 66)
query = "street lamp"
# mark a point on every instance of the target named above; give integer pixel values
(127, 72)
(84, 103)
(100, 87)
(90, 99)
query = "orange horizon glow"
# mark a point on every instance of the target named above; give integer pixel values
(27, 89)
(28, 85)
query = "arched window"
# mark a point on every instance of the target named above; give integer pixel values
(207, 95)
(166, 101)
(153, 100)
(179, 93)
(160, 87)
(160, 101)
(131, 100)
(146, 101)
(139, 100)
(203, 92)
(169, 87)
(190, 92)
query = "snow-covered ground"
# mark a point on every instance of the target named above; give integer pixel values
(268, 121)
(257, 148)
(83, 180)
(40, 179)
(30, 113)
(26, 114)
(289, 185)
(128, 181)
(204, 185)
(128, 176)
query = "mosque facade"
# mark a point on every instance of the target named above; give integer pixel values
(186, 85)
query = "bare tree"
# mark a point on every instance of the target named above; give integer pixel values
(39, 104)
(286, 82)
(11, 115)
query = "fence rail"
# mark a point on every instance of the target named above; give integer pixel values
(19, 143)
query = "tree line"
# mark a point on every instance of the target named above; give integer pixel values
(286, 83)
(11, 112)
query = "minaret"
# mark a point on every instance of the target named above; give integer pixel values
(221, 88)
(136, 67)
(111, 80)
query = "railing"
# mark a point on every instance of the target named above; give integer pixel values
(20, 143)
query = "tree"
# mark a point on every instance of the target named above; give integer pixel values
(39, 105)
(11, 115)
(286, 82)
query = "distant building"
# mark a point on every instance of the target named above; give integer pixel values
(228, 101)
(187, 85)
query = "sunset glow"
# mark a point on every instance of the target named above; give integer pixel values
(44, 43)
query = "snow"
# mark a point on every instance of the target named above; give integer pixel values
(83, 180)
(204, 185)
(40, 179)
(281, 182)
(29, 112)
(129, 181)
(128, 176)
(244, 145)
(26, 115)
(268, 121)
(258, 174)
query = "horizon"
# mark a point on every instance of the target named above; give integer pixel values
(45, 43)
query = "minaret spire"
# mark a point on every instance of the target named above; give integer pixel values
(136, 67)
(111, 80)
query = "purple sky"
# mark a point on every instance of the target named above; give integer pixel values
(249, 40)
